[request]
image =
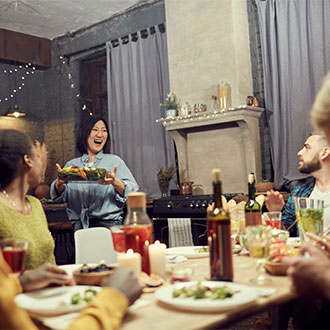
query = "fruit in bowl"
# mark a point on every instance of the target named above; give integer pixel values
(277, 251)
(93, 275)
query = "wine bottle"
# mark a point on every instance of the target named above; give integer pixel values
(138, 228)
(252, 207)
(220, 246)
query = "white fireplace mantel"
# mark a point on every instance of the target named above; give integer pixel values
(228, 140)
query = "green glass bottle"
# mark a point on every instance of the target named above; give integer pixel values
(252, 207)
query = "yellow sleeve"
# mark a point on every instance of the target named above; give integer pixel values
(105, 312)
(11, 316)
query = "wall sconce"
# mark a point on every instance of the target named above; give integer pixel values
(16, 112)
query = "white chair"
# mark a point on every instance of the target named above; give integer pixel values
(93, 245)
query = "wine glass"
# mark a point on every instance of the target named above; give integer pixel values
(259, 238)
(13, 251)
(236, 216)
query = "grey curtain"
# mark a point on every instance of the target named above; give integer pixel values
(295, 44)
(138, 80)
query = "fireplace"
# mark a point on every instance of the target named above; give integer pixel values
(229, 140)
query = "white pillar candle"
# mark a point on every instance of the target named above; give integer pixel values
(130, 260)
(157, 258)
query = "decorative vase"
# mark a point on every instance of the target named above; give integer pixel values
(170, 113)
(163, 187)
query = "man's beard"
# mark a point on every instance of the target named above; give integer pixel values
(311, 166)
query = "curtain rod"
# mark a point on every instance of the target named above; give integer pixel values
(97, 47)
(161, 27)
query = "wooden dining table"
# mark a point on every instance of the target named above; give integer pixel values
(158, 315)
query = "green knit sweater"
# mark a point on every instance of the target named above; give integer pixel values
(33, 228)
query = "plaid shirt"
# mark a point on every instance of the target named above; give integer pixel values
(288, 212)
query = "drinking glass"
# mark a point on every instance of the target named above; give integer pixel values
(259, 238)
(118, 238)
(13, 251)
(273, 219)
(236, 216)
(309, 213)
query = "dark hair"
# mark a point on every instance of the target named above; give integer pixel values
(84, 131)
(13, 146)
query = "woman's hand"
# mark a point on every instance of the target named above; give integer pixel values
(59, 184)
(111, 178)
(322, 242)
(310, 276)
(44, 276)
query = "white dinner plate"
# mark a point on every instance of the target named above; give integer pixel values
(187, 251)
(48, 301)
(243, 295)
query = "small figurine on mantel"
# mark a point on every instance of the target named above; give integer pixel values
(252, 101)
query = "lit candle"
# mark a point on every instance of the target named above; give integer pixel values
(157, 258)
(130, 260)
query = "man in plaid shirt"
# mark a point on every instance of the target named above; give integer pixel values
(314, 159)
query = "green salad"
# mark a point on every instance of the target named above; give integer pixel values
(200, 291)
(78, 298)
(203, 249)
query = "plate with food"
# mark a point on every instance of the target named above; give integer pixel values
(206, 296)
(57, 301)
(93, 274)
(78, 174)
(189, 252)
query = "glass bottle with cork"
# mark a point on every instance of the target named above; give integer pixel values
(252, 207)
(138, 228)
(219, 236)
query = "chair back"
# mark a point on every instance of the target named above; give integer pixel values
(94, 245)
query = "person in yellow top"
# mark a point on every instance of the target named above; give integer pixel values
(106, 312)
(21, 215)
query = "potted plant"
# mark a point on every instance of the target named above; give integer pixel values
(164, 177)
(170, 105)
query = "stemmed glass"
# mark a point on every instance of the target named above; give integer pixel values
(236, 216)
(13, 251)
(259, 238)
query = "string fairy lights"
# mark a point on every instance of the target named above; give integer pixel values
(72, 85)
(195, 117)
(24, 71)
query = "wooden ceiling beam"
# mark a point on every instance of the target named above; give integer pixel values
(24, 48)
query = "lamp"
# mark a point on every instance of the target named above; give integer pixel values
(16, 112)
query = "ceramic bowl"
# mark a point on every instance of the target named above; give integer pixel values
(276, 268)
(92, 278)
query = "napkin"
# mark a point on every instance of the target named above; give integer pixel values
(179, 232)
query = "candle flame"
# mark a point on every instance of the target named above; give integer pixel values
(146, 242)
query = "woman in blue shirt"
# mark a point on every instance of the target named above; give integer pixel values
(94, 204)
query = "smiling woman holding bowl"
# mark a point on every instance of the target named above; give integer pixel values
(94, 204)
